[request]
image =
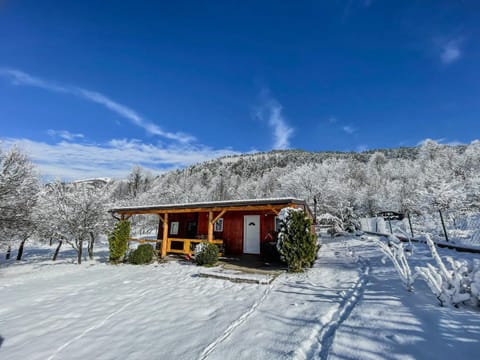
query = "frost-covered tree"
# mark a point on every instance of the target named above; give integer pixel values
(139, 181)
(440, 193)
(19, 186)
(72, 213)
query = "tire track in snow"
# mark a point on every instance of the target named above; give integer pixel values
(321, 339)
(234, 325)
(101, 323)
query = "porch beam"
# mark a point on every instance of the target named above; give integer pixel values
(219, 216)
(275, 211)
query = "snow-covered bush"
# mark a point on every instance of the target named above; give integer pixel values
(206, 254)
(456, 284)
(296, 243)
(335, 223)
(451, 287)
(143, 254)
(350, 220)
(118, 240)
(395, 250)
(475, 282)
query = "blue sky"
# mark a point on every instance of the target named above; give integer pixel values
(90, 88)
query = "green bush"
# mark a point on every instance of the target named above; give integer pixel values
(143, 254)
(296, 243)
(206, 254)
(118, 241)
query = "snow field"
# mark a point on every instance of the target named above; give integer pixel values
(348, 306)
(111, 312)
(392, 323)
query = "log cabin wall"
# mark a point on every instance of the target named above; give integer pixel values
(232, 233)
(183, 220)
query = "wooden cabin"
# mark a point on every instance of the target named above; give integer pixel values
(236, 226)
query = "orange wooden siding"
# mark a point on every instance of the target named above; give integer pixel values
(232, 234)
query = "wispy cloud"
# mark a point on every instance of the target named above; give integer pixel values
(349, 129)
(65, 134)
(72, 161)
(271, 110)
(450, 50)
(18, 77)
(346, 128)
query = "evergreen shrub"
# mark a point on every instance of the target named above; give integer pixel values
(296, 242)
(206, 254)
(143, 254)
(118, 241)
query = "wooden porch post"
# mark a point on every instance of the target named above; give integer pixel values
(210, 226)
(165, 235)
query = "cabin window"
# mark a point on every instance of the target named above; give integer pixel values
(174, 228)
(218, 227)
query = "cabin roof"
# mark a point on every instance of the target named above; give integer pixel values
(211, 205)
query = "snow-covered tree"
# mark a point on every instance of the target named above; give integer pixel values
(19, 186)
(72, 213)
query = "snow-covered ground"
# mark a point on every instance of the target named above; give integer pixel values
(349, 306)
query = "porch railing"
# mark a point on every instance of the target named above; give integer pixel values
(180, 245)
(187, 246)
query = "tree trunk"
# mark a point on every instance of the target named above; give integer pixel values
(443, 225)
(410, 223)
(80, 250)
(9, 252)
(20, 250)
(90, 246)
(57, 250)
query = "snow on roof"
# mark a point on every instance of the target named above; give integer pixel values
(211, 204)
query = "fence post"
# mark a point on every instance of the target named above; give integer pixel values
(410, 224)
(443, 225)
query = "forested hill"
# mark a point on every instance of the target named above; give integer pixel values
(416, 179)
(258, 162)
